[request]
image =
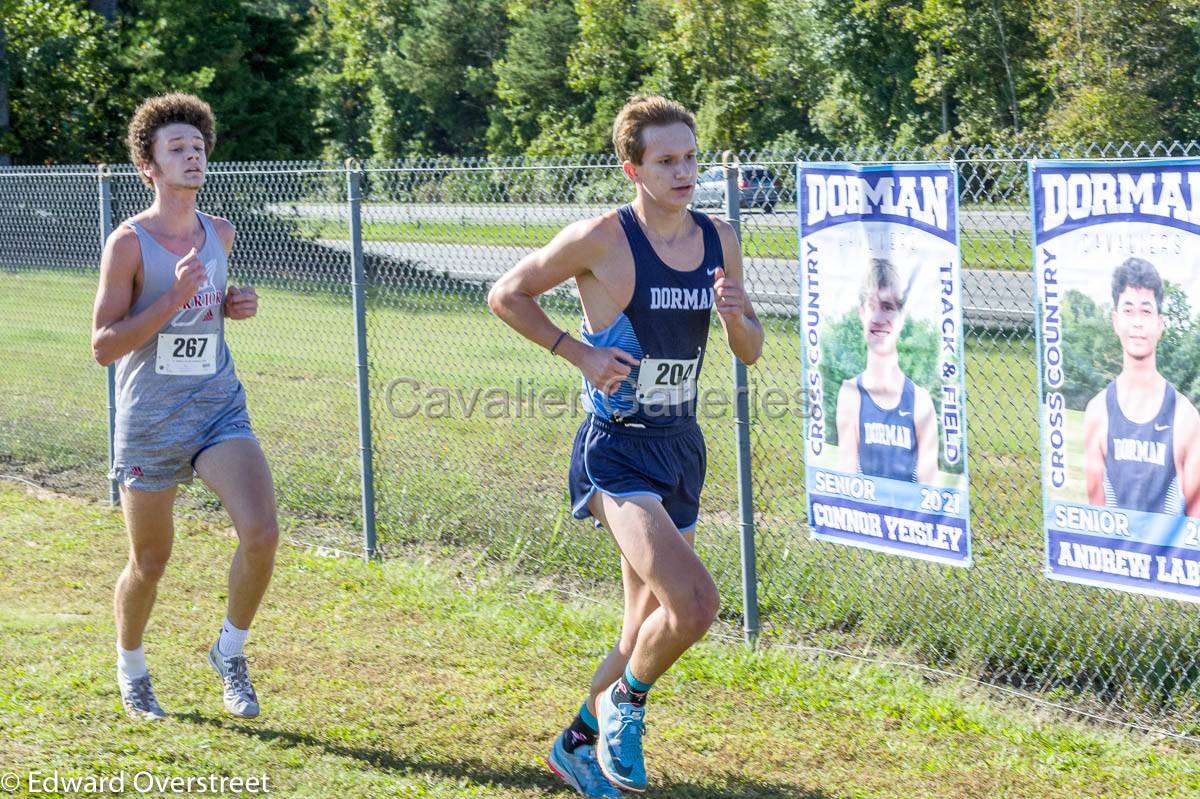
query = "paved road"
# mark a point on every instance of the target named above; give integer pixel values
(973, 219)
(991, 298)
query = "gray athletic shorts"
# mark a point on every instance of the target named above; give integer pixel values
(157, 468)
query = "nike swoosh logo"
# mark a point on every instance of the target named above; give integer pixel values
(712, 271)
(906, 413)
(1161, 427)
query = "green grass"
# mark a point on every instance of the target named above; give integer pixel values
(436, 677)
(980, 249)
(494, 485)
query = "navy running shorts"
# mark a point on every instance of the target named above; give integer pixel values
(625, 461)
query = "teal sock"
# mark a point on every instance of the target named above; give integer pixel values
(630, 690)
(588, 717)
(582, 731)
(635, 683)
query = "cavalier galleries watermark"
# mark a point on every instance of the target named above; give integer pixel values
(53, 783)
(409, 398)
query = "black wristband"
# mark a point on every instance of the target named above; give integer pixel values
(557, 341)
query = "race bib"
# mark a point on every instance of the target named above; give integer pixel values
(182, 354)
(664, 381)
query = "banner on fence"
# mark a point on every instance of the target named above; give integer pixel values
(1117, 263)
(885, 449)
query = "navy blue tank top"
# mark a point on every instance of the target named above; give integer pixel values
(665, 326)
(887, 438)
(1139, 468)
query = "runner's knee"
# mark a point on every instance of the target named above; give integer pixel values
(149, 564)
(260, 538)
(639, 605)
(628, 639)
(695, 613)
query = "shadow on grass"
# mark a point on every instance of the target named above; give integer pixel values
(517, 776)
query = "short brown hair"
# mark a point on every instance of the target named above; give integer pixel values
(167, 109)
(882, 275)
(641, 112)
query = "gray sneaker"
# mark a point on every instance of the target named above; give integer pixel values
(240, 699)
(138, 698)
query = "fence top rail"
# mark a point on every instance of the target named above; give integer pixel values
(241, 169)
(959, 153)
(43, 172)
(367, 167)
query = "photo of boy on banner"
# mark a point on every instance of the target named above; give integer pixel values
(1140, 433)
(1117, 248)
(886, 424)
(885, 451)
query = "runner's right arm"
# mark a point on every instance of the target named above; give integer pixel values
(847, 426)
(114, 332)
(1095, 431)
(513, 298)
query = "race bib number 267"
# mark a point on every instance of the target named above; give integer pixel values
(180, 354)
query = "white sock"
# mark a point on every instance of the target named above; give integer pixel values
(131, 663)
(232, 640)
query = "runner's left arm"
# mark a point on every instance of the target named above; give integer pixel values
(241, 302)
(927, 438)
(743, 331)
(1187, 428)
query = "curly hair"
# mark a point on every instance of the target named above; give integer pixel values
(641, 112)
(158, 112)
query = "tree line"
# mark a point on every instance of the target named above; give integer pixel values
(293, 79)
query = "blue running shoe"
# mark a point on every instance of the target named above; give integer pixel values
(580, 770)
(619, 745)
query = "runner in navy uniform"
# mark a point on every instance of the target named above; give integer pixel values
(648, 275)
(1140, 448)
(886, 423)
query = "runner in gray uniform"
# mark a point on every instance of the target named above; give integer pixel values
(160, 315)
(177, 394)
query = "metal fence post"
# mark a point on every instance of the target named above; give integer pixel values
(104, 173)
(358, 279)
(741, 418)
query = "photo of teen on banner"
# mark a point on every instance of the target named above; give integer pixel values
(1117, 262)
(881, 320)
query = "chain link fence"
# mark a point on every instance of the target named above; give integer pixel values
(52, 404)
(470, 425)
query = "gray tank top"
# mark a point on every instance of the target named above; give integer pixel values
(183, 377)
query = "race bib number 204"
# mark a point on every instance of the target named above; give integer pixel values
(667, 381)
(180, 354)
